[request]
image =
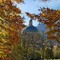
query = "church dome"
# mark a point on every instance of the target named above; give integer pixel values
(30, 28)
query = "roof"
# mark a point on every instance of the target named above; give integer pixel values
(31, 28)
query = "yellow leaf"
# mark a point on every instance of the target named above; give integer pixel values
(4, 40)
(52, 27)
(0, 1)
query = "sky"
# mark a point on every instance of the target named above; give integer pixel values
(33, 6)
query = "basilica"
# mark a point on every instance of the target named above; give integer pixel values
(32, 35)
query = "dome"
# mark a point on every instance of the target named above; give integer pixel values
(31, 28)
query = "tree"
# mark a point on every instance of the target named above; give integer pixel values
(48, 53)
(10, 24)
(56, 52)
(52, 20)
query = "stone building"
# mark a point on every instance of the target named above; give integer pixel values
(31, 35)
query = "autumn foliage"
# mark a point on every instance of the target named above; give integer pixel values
(10, 24)
(52, 21)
